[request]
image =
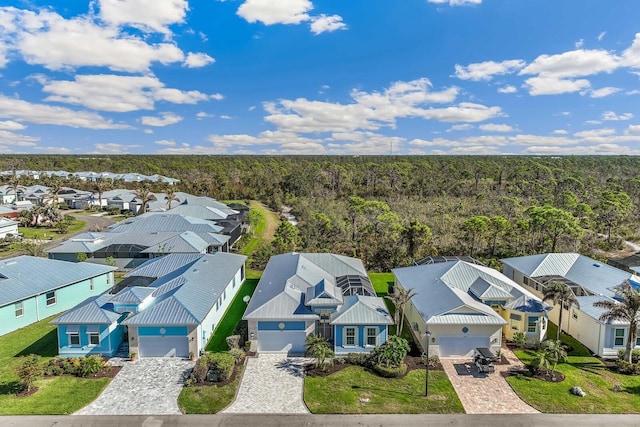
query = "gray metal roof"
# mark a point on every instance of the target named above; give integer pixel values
(202, 212)
(169, 311)
(134, 294)
(594, 276)
(526, 304)
(486, 291)
(323, 293)
(26, 276)
(159, 267)
(90, 311)
(289, 273)
(185, 242)
(362, 310)
(188, 199)
(156, 222)
(466, 319)
(586, 306)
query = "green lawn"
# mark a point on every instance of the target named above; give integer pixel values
(232, 316)
(341, 393)
(57, 395)
(582, 370)
(208, 399)
(48, 233)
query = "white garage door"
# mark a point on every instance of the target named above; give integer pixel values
(291, 342)
(461, 346)
(166, 346)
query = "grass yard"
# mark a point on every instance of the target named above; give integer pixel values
(264, 230)
(582, 370)
(341, 393)
(56, 395)
(208, 399)
(232, 316)
(50, 233)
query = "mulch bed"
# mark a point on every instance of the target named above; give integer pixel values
(229, 380)
(552, 377)
(412, 362)
(106, 372)
(25, 393)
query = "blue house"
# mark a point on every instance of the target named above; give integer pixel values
(32, 289)
(167, 307)
(316, 294)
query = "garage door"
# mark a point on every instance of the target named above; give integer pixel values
(166, 346)
(281, 341)
(461, 346)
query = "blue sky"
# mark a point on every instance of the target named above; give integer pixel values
(542, 77)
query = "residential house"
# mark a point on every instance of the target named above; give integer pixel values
(170, 307)
(8, 227)
(466, 305)
(590, 281)
(316, 294)
(32, 289)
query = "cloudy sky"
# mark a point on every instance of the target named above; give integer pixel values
(543, 77)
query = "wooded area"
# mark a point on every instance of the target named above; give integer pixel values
(391, 210)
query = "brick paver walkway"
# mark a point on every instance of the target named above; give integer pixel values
(271, 384)
(485, 393)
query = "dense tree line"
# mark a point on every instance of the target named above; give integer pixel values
(391, 210)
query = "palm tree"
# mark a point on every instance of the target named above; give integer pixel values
(627, 310)
(555, 352)
(171, 197)
(100, 186)
(54, 192)
(403, 298)
(145, 196)
(561, 294)
(15, 186)
(318, 347)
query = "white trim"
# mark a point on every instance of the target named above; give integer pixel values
(624, 333)
(71, 335)
(345, 337)
(15, 307)
(367, 336)
(55, 298)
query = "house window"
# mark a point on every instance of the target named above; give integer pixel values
(619, 337)
(74, 339)
(372, 337)
(637, 341)
(574, 314)
(531, 323)
(94, 338)
(51, 298)
(108, 279)
(19, 309)
(91, 285)
(349, 336)
(515, 321)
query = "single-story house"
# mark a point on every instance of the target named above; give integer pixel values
(8, 226)
(302, 294)
(466, 305)
(590, 281)
(170, 308)
(32, 289)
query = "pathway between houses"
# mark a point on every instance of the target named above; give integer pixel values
(145, 387)
(271, 384)
(485, 394)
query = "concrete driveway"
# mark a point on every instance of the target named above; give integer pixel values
(145, 387)
(485, 393)
(271, 384)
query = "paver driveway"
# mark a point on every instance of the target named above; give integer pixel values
(485, 393)
(271, 384)
(145, 387)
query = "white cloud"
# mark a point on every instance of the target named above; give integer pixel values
(153, 15)
(555, 86)
(594, 133)
(17, 140)
(593, 122)
(486, 70)
(165, 119)
(202, 115)
(11, 125)
(48, 115)
(217, 96)
(109, 92)
(148, 131)
(601, 35)
(631, 56)
(493, 127)
(225, 117)
(325, 23)
(271, 12)
(602, 92)
(253, 107)
(601, 149)
(633, 92)
(462, 127)
(560, 132)
(197, 60)
(575, 63)
(611, 116)
(166, 142)
(46, 38)
(112, 148)
(507, 89)
(633, 129)
(456, 2)
(579, 44)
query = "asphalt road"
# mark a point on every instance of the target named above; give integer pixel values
(266, 420)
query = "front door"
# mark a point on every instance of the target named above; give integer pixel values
(325, 329)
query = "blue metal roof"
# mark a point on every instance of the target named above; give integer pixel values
(92, 310)
(26, 276)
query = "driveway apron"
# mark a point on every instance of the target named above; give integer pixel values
(485, 393)
(145, 387)
(271, 384)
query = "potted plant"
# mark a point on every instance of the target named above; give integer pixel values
(133, 356)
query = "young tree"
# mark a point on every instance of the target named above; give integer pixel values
(100, 186)
(627, 309)
(555, 352)
(403, 297)
(475, 231)
(144, 195)
(29, 370)
(170, 197)
(560, 294)
(415, 236)
(318, 348)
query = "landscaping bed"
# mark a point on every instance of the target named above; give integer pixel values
(412, 362)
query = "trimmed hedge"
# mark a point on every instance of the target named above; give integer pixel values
(386, 372)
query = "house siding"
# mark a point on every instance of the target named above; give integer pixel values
(360, 347)
(35, 308)
(110, 339)
(173, 331)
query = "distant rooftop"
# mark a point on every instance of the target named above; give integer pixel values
(440, 258)
(94, 176)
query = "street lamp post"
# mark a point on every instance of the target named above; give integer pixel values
(427, 335)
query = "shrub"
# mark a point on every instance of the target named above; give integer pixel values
(221, 362)
(233, 341)
(318, 348)
(90, 365)
(390, 372)
(66, 366)
(519, 339)
(29, 370)
(359, 359)
(627, 368)
(199, 373)
(391, 353)
(635, 355)
(238, 354)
